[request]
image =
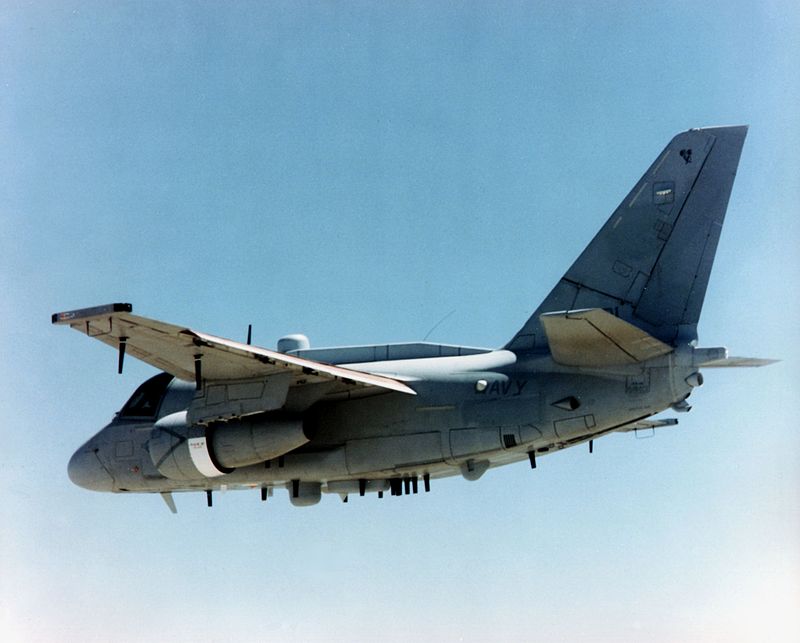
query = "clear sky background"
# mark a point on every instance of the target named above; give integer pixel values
(356, 171)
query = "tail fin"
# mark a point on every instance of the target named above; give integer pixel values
(651, 261)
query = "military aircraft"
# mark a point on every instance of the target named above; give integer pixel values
(613, 344)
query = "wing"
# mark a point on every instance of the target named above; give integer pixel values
(238, 378)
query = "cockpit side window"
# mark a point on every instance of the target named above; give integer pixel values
(145, 401)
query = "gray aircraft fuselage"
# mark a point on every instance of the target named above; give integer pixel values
(470, 413)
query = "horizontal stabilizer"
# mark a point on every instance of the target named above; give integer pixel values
(734, 362)
(594, 337)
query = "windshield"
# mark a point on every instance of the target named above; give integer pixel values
(145, 401)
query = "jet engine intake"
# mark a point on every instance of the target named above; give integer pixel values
(187, 452)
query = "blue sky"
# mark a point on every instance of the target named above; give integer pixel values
(358, 172)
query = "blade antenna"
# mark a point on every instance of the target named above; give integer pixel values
(439, 323)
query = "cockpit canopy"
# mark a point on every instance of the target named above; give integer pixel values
(146, 400)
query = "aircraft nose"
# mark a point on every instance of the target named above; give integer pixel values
(86, 470)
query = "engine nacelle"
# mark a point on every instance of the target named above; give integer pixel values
(187, 452)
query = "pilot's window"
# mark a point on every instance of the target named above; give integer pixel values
(145, 401)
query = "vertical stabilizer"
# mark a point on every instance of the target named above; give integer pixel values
(651, 261)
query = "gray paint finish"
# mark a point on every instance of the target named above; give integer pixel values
(610, 346)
